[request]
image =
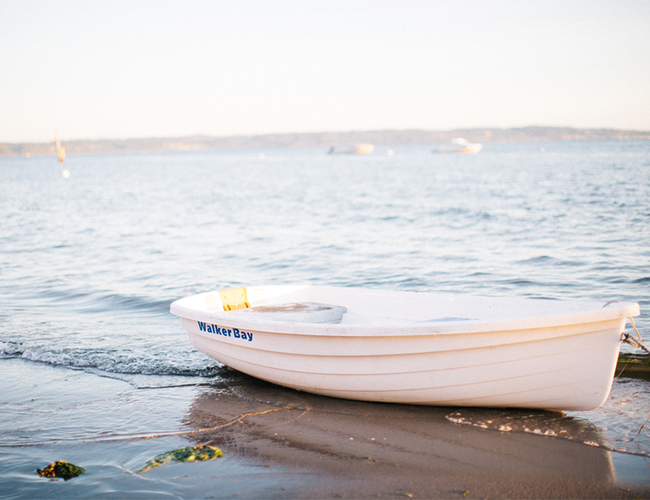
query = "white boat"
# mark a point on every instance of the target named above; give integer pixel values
(459, 145)
(357, 149)
(414, 348)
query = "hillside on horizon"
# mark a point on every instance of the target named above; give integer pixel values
(318, 139)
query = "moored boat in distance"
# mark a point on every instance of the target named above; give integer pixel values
(357, 149)
(459, 145)
(414, 348)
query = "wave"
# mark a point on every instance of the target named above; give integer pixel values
(125, 361)
(548, 424)
(546, 260)
(93, 301)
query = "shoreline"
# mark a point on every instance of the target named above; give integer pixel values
(204, 143)
(280, 443)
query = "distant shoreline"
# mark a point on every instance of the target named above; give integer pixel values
(318, 139)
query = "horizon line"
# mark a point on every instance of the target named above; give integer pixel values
(325, 132)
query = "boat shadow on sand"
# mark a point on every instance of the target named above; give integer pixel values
(375, 448)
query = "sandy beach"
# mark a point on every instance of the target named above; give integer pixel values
(280, 443)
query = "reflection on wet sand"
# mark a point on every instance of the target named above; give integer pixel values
(376, 449)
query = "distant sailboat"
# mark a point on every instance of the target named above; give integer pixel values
(459, 145)
(357, 149)
(60, 151)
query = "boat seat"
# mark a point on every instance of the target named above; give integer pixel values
(294, 312)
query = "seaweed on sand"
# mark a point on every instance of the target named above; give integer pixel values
(195, 453)
(61, 469)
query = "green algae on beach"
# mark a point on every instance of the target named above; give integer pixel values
(195, 453)
(61, 469)
(633, 366)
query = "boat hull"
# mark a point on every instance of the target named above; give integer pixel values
(456, 362)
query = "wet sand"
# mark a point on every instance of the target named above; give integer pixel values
(286, 444)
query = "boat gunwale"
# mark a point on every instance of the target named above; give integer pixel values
(605, 312)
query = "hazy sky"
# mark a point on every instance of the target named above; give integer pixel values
(127, 68)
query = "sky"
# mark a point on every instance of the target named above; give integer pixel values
(155, 68)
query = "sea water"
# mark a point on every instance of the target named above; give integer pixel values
(91, 261)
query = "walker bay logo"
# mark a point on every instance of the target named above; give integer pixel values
(226, 332)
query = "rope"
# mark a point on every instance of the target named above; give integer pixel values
(216, 427)
(634, 326)
(627, 338)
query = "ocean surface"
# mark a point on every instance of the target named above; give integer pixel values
(90, 262)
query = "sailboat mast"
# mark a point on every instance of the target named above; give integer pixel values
(59, 150)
